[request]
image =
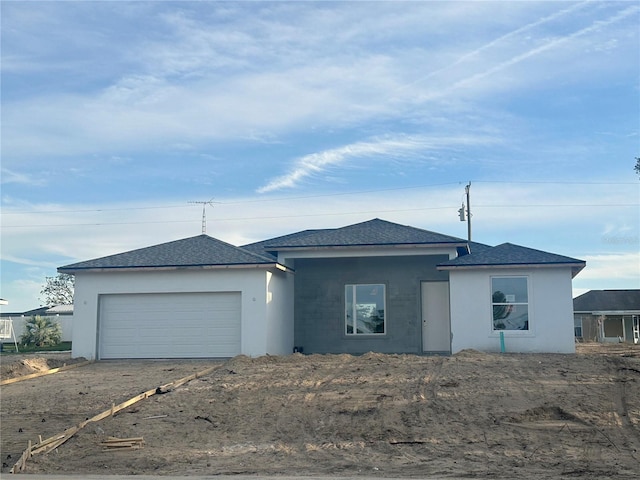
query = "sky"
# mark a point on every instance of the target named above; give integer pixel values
(287, 116)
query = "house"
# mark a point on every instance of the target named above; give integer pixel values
(373, 286)
(607, 316)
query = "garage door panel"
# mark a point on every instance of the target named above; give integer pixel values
(175, 325)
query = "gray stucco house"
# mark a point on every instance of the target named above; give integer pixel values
(372, 286)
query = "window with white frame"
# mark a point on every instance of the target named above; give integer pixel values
(365, 309)
(577, 327)
(510, 302)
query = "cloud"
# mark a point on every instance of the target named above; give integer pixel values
(619, 267)
(9, 176)
(474, 80)
(270, 74)
(389, 147)
(501, 39)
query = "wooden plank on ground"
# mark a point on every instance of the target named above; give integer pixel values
(45, 372)
(54, 442)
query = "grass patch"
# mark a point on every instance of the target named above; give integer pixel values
(11, 348)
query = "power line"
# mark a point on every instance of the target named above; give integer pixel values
(375, 212)
(286, 199)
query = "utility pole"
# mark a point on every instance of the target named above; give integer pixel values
(204, 215)
(465, 212)
(467, 191)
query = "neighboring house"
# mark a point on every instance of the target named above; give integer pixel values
(373, 286)
(63, 314)
(607, 316)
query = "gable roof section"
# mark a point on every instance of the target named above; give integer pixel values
(374, 232)
(608, 301)
(510, 255)
(200, 251)
(260, 248)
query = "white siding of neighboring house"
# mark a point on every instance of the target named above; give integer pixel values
(251, 282)
(550, 311)
(65, 321)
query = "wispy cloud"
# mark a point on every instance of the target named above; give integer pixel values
(387, 147)
(555, 42)
(503, 38)
(623, 267)
(9, 176)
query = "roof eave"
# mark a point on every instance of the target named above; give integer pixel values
(575, 267)
(275, 265)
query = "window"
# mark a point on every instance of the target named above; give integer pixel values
(365, 309)
(577, 327)
(510, 301)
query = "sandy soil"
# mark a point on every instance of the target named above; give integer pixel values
(12, 366)
(468, 415)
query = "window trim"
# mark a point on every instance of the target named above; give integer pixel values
(529, 331)
(576, 327)
(353, 286)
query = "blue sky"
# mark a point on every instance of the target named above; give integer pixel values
(297, 115)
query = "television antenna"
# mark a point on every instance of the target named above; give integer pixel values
(204, 212)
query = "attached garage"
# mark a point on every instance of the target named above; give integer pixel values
(193, 298)
(169, 325)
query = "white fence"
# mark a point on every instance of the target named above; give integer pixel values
(65, 321)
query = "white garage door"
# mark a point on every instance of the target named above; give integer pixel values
(169, 325)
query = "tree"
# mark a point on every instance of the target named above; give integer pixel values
(58, 290)
(637, 167)
(41, 331)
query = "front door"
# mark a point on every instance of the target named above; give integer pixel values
(436, 328)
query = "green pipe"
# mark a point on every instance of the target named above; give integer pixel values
(502, 349)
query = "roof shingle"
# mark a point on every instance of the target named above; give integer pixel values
(508, 254)
(202, 250)
(374, 232)
(607, 301)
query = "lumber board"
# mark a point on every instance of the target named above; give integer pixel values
(116, 440)
(46, 372)
(54, 442)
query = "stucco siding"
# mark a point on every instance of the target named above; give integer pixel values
(320, 302)
(550, 311)
(279, 323)
(251, 283)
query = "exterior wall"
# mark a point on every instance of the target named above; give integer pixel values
(590, 331)
(65, 321)
(279, 323)
(252, 283)
(320, 302)
(550, 311)
(605, 327)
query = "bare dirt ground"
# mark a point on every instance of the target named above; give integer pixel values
(470, 415)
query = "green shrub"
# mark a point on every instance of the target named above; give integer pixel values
(41, 331)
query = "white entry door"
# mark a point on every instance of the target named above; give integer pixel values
(436, 328)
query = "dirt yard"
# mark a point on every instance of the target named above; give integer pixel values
(468, 415)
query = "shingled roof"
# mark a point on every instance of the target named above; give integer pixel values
(510, 255)
(608, 301)
(260, 248)
(199, 251)
(374, 232)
